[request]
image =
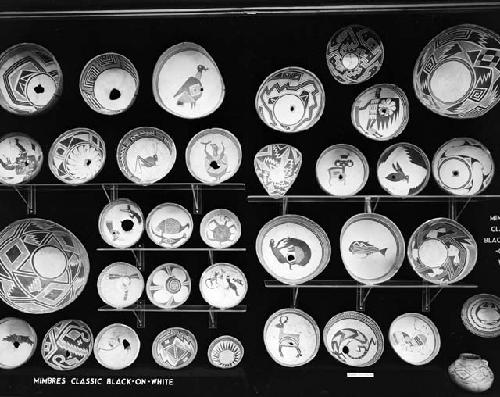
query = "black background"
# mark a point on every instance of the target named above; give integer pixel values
(247, 49)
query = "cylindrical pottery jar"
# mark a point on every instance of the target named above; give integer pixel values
(372, 248)
(403, 169)
(353, 339)
(213, 156)
(145, 155)
(225, 352)
(277, 166)
(44, 266)
(223, 285)
(18, 342)
(290, 100)
(456, 74)
(293, 249)
(380, 112)
(291, 337)
(21, 158)
(121, 223)
(342, 170)
(354, 54)
(463, 166)
(109, 83)
(174, 348)
(31, 80)
(187, 82)
(442, 251)
(116, 346)
(471, 373)
(481, 315)
(67, 345)
(120, 285)
(168, 286)
(169, 225)
(77, 156)
(414, 338)
(220, 228)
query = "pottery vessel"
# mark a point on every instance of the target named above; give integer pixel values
(290, 100)
(174, 348)
(120, 285)
(18, 342)
(121, 223)
(169, 225)
(353, 339)
(293, 249)
(168, 286)
(342, 170)
(77, 156)
(21, 158)
(414, 338)
(481, 315)
(442, 251)
(109, 83)
(213, 156)
(354, 54)
(187, 81)
(372, 248)
(116, 346)
(403, 169)
(67, 345)
(220, 228)
(223, 285)
(380, 112)
(471, 373)
(277, 166)
(291, 337)
(463, 166)
(456, 73)
(31, 80)
(225, 352)
(145, 155)
(43, 266)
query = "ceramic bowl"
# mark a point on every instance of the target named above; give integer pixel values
(21, 158)
(168, 286)
(120, 285)
(18, 342)
(223, 285)
(174, 348)
(116, 346)
(169, 225)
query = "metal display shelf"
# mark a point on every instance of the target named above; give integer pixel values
(140, 309)
(429, 291)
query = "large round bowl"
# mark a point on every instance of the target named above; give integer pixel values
(342, 170)
(223, 285)
(277, 166)
(442, 251)
(31, 79)
(145, 155)
(77, 156)
(174, 348)
(187, 81)
(372, 248)
(21, 158)
(225, 352)
(213, 156)
(116, 346)
(67, 345)
(353, 339)
(293, 249)
(414, 338)
(121, 223)
(456, 74)
(120, 285)
(169, 225)
(220, 228)
(290, 100)
(380, 112)
(109, 83)
(43, 266)
(18, 342)
(291, 337)
(481, 315)
(403, 169)
(463, 166)
(168, 286)
(354, 54)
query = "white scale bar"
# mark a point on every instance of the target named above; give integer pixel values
(360, 375)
